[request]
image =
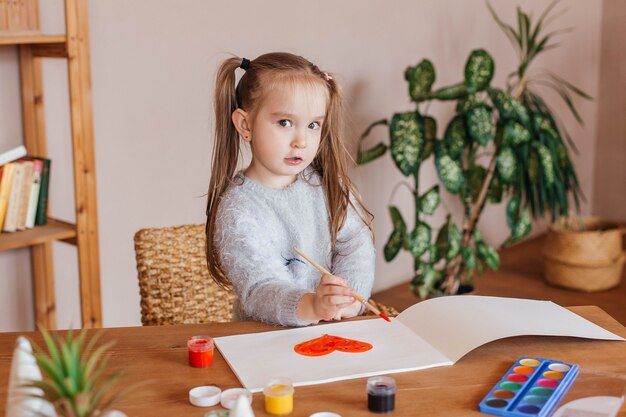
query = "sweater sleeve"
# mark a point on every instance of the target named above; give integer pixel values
(354, 256)
(248, 254)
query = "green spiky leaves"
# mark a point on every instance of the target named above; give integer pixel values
(76, 378)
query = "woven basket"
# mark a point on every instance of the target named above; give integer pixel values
(174, 280)
(588, 260)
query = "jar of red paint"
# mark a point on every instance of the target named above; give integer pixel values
(200, 350)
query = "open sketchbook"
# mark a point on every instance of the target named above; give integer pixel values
(436, 332)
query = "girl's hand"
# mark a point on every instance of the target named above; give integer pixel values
(350, 311)
(330, 297)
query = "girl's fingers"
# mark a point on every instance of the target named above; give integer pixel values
(338, 301)
(333, 280)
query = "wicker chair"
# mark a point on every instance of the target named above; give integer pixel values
(174, 281)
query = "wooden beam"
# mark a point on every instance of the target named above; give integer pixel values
(76, 20)
(35, 142)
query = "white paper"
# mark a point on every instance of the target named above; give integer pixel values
(591, 407)
(459, 324)
(256, 358)
(432, 333)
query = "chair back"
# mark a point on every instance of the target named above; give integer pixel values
(174, 280)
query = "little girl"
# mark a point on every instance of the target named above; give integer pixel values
(294, 193)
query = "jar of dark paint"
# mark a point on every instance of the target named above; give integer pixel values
(381, 394)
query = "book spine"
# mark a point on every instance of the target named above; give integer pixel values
(34, 193)
(27, 184)
(41, 217)
(5, 189)
(12, 154)
(10, 221)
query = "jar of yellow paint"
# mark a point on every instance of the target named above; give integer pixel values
(279, 396)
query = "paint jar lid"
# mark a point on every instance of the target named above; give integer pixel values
(199, 343)
(381, 385)
(205, 396)
(325, 414)
(278, 387)
(230, 396)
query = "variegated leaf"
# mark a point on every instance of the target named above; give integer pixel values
(363, 157)
(489, 255)
(545, 157)
(453, 92)
(430, 128)
(398, 235)
(418, 240)
(506, 164)
(515, 134)
(508, 107)
(468, 103)
(454, 138)
(450, 173)
(429, 201)
(479, 124)
(421, 78)
(407, 141)
(478, 70)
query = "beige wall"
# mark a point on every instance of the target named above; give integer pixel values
(153, 64)
(609, 197)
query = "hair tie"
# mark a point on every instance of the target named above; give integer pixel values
(245, 63)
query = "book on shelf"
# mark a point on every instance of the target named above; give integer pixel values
(5, 189)
(42, 203)
(13, 205)
(12, 154)
(24, 200)
(34, 193)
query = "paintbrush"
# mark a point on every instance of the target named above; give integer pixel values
(354, 294)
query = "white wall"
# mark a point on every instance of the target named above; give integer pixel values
(153, 64)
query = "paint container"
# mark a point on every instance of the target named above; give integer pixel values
(230, 396)
(325, 414)
(200, 349)
(279, 396)
(381, 394)
(205, 396)
(532, 387)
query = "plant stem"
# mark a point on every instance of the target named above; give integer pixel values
(416, 175)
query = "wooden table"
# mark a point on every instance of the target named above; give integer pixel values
(158, 357)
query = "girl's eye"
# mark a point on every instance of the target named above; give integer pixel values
(285, 123)
(314, 125)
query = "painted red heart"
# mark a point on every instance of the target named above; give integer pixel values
(327, 344)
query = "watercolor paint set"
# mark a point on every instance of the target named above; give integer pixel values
(532, 387)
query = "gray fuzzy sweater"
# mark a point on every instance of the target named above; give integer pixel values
(256, 229)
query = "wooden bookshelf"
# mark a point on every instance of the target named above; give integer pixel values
(73, 46)
(53, 230)
(32, 39)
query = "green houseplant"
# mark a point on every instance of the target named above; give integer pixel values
(76, 380)
(501, 145)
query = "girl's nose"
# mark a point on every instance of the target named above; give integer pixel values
(299, 141)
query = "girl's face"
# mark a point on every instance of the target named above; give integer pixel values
(285, 133)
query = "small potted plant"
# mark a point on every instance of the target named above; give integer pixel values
(501, 145)
(76, 380)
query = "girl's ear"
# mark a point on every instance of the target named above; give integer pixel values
(241, 120)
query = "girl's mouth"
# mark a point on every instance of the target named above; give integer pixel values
(293, 160)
